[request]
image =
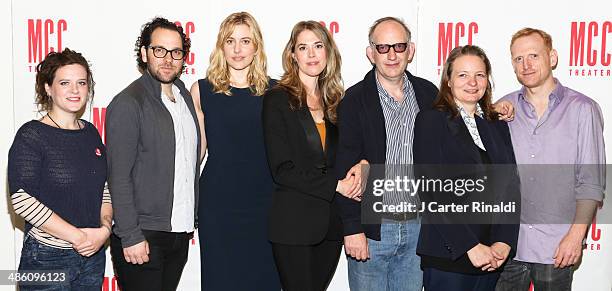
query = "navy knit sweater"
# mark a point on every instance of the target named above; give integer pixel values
(64, 169)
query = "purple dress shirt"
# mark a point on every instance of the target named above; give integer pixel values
(561, 159)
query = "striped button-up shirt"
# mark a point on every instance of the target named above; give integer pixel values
(399, 128)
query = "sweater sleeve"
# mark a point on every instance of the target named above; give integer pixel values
(106, 197)
(122, 137)
(25, 161)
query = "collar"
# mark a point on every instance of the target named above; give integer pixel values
(556, 95)
(465, 115)
(385, 95)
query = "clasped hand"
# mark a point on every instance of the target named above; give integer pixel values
(354, 183)
(489, 258)
(90, 240)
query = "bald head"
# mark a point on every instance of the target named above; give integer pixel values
(388, 24)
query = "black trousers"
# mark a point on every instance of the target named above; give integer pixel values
(167, 257)
(306, 268)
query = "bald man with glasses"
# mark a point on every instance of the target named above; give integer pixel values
(376, 121)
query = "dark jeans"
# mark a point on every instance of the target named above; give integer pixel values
(518, 275)
(437, 280)
(81, 273)
(167, 257)
(307, 268)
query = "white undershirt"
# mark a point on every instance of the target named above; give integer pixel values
(184, 162)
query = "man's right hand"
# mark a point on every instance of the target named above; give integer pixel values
(137, 254)
(356, 246)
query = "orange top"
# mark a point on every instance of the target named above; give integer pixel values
(321, 130)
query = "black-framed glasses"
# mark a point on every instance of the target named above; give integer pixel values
(161, 52)
(399, 47)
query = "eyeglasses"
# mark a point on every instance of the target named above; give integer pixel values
(399, 47)
(161, 52)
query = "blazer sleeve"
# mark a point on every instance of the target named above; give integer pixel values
(350, 152)
(318, 183)
(428, 127)
(122, 137)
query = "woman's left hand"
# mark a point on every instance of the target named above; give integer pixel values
(96, 237)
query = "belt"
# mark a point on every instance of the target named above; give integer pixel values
(399, 216)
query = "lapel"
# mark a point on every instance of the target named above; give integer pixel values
(312, 135)
(488, 137)
(460, 132)
(331, 142)
(419, 93)
(374, 113)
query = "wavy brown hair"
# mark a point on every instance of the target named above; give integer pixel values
(218, 73)
(45, 74)
(330, 79)
(446, 100)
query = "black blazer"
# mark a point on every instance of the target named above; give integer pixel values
(441, 139)
(303, 210)
(361, 124)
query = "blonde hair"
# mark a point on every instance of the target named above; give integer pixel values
(218, 73)
(330, 79)
(529, 31)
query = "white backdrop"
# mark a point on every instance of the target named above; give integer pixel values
(105, 33)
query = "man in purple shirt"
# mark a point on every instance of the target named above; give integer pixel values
(557, 136)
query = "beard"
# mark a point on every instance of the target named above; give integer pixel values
(165, 79)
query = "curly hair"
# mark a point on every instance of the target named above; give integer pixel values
(144, 40)
(330, 79)
(446, 100)
(45, 74)
(218, 72)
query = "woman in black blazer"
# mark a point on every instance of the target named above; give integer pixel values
(462, 130)
(300, 135)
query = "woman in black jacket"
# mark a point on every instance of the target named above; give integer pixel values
(300, 135)
(461, 138)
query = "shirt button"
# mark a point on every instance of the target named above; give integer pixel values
(533, 156)
(531, 226)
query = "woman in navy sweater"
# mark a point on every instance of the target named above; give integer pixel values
(57, 173)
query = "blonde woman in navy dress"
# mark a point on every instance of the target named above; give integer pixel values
(235, 186)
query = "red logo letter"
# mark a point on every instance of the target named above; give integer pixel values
(607, 28)
(577, 44)
(34, 41)
(595, 232)
(592, 54)
(445, 40)
(99, 119)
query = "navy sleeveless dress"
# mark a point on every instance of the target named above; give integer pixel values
(235, 195)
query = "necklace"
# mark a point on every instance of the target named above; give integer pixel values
(78, 123)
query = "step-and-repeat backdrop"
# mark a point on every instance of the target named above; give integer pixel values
(105, 33)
